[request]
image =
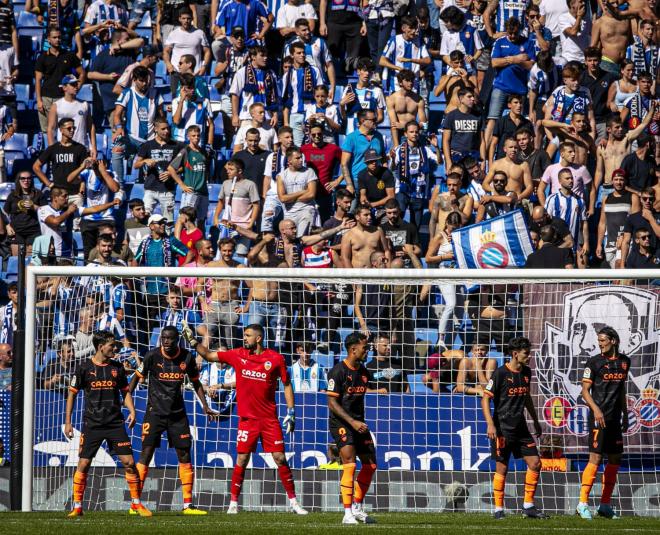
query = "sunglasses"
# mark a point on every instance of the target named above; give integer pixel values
(648, 198)
(499, 181)
(645, 237)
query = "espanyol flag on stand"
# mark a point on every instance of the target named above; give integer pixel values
(500, 242)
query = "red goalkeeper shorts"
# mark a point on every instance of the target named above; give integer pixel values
(250, 430)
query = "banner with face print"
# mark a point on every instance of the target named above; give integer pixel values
(562, 322)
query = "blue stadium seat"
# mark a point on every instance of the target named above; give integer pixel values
(5, 190)
(28, 20)
(137, 191)
(155, 335)
(22, 93)
(146, 21)
(145, 33)
(416, 385)
(102, 144)
(12, 266)
(214, 191)
(85, 93)
(161, 70)
(428, 335)
(17, 142)
(324, 361)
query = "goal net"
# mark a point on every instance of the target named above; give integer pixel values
(435, 338)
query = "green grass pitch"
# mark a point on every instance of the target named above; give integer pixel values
(321, 523)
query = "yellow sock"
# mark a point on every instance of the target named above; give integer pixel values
(142, 470)
(187, 476)
(346, 484)
(79, 484)
(531, 481)
(133, 480)
(588, 478)
(498, 490)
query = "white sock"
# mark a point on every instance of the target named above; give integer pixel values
(582, 503)
(186, 505)
(136, 501)
(498, 509)
(293, 501)
(528, 505)
(348, 510)
(77, 505)
(232, 502)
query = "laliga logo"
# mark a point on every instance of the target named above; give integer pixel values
(567, 347)
(491, 255)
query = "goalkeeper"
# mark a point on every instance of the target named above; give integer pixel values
(166, 368)
(257, 373)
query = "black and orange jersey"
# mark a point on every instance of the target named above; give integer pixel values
(101, 384)
(349, 385)
(607, 377)
(509, 389)
(166, 376)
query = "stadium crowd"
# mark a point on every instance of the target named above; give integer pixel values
(358, 134)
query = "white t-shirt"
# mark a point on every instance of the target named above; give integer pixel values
(287, 15)
(552, 10)
(63, 232)
(184, 42)
(79, 112)
(572, 48)
(268, 137)
(295, 181)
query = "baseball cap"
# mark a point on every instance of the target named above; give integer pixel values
(69, 79)
(371, 155)
(237, 31)
(150, 50)
(619, 172)
(156, 218)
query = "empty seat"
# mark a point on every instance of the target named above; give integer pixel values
(17, 142)
(85, 93)
(416, 385)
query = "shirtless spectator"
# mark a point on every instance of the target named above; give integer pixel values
(404, 105)
(610, 156)
(612, 36)
(452, 200)
(454, 79)
(578, 132)
(582, 183)
(499, 202)
(474, 371)
(520, 177)
(361, 241)
(222, 304)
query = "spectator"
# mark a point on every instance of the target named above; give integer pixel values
(168, 18)
(643, 51)
(537, 159)
(577, 132)
(322, 112)
(598, 82)
(537, 33)
(475, 371)
(9, 57)
(356, 145)
(296, 190)
(254, 83)
(343, 201)
(186, 231)
(541, 217)
(121, 250)
(374, 305)
(188, 67)
(185, 39)
(154, 157)
(189, 109)
(442, 369)
(543, 80)
(475, 173)
(622, 89)
(362, 96)
(8, 314)
(386, 370)
(404, 105)
(575, 30)
(67, 20)
(267, 134)
(316, 51)
(362, 240)
(254, 159)
(462, 133)
(56, 218)
(376, 185)
(640, 164)
(549, 255)
(100, 187)
(137, 227)
(108, 67)
(513, 56)
(412, 161)
(298, 87)
(340, 22)
(107, 14)
(306, 374)
(569, 99)
(461, 36)
(641, 104)
(49, 69)
(132, 126)
(507, 126)
(195, 163)
(581, 176)
(452, 200)
(648, 219)
(6, 360)
(499, 202)
(275, 163)
(404, 51)
(252, 15)
(219, 382)
(21, 206)
(323, 158)
(643, 256)
(177, 315)
(400, 233)
(150, 57)
(58, 372)
(290, 13)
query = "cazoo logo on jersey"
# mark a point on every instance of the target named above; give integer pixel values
(254, 374)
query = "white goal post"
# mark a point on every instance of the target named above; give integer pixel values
(427, 465)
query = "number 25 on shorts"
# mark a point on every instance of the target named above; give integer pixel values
(242, 436)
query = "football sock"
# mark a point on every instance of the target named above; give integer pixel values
(133, 481)
(363, 481)
(588, 478)
(79, 484)
(346, 484)
(531, 480)
(187, 476)
(609, 480)
(237, 482)
(142, 470)
(286, 477)
(498, 491)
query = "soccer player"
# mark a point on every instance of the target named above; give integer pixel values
(257, 372)
(509, 388)
(102, 379)
(604, 390)
(165, 368)
(347, 384)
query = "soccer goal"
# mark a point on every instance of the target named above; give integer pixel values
(435, 338)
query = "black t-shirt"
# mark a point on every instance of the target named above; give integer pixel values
(255, 165)
(386, 374)
(102, 385)
(607, 377)
(598, 87)
(509, 390)
(505, 127)
(62, 160)
(331, 223)
(550, 257)
(465, 130)
(349, 386)
(538, 160)
(54, 68)
(401, 234)
(641, 172)
(375, 185)
(105, 63)
(635, 221)
(559, 224)
(163, 154)
(637, 260)
(166, 376)
(170, 11)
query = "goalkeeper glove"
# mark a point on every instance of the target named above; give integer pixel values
(290, 421)
(187, 334)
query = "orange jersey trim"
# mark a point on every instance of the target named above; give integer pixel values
(332, 394)
(488, 393)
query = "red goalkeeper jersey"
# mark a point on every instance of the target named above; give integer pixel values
(256, 380)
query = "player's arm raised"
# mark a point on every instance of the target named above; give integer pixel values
(202, 350)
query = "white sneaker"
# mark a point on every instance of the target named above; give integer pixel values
(361, 515)
(349, 519)
(297, 508)
(232, 509)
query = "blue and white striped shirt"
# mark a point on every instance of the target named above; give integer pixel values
(397, 47)
(196, 112)
(507, 9)
(293, 88)
(571, 209)
(140, 112)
